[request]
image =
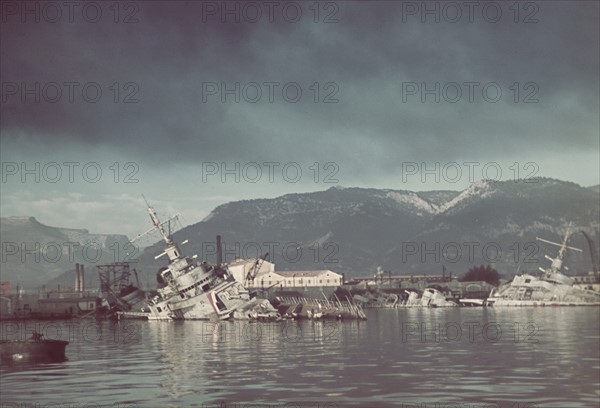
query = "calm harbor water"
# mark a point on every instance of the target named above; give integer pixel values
(461, 357)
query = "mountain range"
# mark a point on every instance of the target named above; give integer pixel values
(34, 253)
(356, 230)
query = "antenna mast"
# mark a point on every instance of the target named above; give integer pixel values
(557, 262)
(157, 225)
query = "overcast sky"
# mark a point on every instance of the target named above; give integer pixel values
(191, 89)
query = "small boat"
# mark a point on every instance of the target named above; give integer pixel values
(33, 350)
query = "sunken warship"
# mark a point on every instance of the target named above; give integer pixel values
(193, 290)
(550, 287)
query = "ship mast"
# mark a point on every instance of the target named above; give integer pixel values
(171, 248)
(157, 224)
(562, 252)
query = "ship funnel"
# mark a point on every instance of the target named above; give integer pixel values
(81, 280)
(219, 252)
(76, 287)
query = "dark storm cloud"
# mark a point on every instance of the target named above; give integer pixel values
(171, 51)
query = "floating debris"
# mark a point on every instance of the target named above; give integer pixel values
(430, 297)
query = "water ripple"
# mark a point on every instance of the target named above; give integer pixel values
(371, 363)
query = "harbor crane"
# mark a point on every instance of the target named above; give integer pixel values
(593, 254)
(255, 268)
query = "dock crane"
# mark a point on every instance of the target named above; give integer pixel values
(253, 271)
(593, 254)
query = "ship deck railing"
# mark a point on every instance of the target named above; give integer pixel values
(347, 306)
(133, 314)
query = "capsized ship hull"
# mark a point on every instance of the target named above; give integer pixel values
(218, 303)
(529, 290)
(430, 297)
(551, 288)
(188, 289)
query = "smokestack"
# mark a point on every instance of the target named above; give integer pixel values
(81, 281)
(76, 277)
(219, 252)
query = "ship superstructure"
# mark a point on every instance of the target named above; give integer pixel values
(551, 288)
(188, 289)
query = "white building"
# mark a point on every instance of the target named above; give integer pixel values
(266, 277)
(240, 268)
(291, 279)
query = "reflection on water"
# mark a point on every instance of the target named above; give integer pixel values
(470, 357)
